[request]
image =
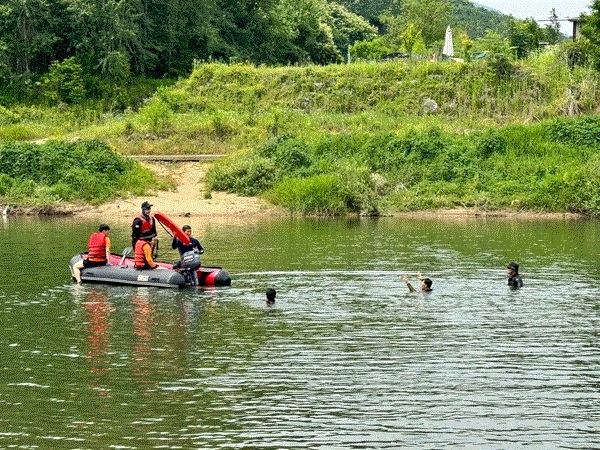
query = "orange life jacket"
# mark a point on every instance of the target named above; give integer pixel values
(139, 260)
(97, 247)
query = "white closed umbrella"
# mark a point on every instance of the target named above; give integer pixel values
(448, 46)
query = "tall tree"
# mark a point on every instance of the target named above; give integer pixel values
(429, 16)
(180, 32)
(26, 35)
(591, 28)
(524, 36)
(102, 27)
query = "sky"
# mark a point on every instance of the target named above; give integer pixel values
(538, 9)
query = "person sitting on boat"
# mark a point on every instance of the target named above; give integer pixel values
(425, 283)
(189, 255)
(98, 253)
(145, 221)
(143, 252)
(514, 279)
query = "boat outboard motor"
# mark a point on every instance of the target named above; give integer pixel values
(190, 261)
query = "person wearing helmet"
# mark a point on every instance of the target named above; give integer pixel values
(514, 279)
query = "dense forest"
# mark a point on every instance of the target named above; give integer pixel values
(102, 44)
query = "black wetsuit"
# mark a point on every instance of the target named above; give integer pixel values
(515, 281)
(184, 248)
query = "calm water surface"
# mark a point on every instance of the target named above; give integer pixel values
(348, 358)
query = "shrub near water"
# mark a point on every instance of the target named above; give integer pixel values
(60, 171)
(553, 166)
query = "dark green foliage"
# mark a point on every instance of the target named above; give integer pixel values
(489, 142)
(425, 144)
(242, 174)
(64, 82)
(583, 131)
(580, 52)
(554, 166)
(83, 170)
(524, 36)
(500, 67)
(49, 162)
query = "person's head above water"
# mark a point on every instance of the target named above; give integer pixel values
(512, 267)
(271, 293)
(426, 284)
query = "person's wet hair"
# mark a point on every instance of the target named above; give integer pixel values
(427, 282)
(271, 293)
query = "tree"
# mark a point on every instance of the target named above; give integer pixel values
(347, 27)
(102, 27)
(493, 43)
(64, 82)
(371, 50)
(466, 45)
(410, 37)
(26, 36)
(591, 27)
(182, 31)
(429, 16)
(524, 36)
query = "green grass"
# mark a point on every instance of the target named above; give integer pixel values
(542, 167)
(500, 137)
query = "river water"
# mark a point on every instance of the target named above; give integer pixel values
(347, 358)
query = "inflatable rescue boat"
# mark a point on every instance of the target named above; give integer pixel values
(121, 271)
(188, 271)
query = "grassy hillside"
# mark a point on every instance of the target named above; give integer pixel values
(367, 137)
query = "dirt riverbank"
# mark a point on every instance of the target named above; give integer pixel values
(188, 200)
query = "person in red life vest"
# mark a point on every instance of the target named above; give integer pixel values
(143, 252)
(98, 252)
(144, 222)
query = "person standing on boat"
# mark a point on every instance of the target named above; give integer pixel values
(194, 244)
(98, 252)
(144, 222)
(514, 279)
(143, 252)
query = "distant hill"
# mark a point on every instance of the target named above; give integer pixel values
(465, 15)
(476, 19)
(487, 7)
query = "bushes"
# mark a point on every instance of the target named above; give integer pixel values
(515, 167)
(582, 131)
(326, 194)
(242, 174)
(69, 171)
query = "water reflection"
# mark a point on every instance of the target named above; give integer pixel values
(98, 311)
